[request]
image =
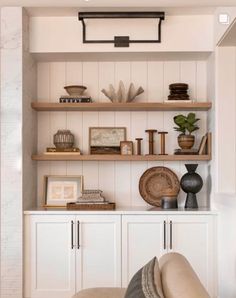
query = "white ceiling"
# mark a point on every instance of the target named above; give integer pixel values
(71, 7)
(117, 3)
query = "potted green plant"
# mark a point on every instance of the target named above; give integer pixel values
(186, 125)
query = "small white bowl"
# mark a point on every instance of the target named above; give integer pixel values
(75, 90)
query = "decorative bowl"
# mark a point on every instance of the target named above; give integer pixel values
(75, 90)
(156, 183)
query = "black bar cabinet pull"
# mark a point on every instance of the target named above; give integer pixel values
(72, 234)
(164, 234)
(171, 234)
(78, 242)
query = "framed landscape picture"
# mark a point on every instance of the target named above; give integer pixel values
(106, 140)
(60, 190)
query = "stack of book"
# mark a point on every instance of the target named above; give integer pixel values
(91, 196)
(53, 150)
(186, 151)
(75, 99)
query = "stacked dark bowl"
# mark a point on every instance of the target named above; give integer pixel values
(178, 91)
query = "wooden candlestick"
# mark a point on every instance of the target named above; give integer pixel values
(138, 145)
(151, 140)
(162, 133)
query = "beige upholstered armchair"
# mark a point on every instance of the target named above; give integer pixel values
(171, 277)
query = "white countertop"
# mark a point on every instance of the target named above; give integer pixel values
(124, 210)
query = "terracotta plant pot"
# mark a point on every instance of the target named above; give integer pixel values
(186, 141)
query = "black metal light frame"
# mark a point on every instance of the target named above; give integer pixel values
(121, 41)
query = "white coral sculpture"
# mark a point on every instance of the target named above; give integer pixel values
(121, 95)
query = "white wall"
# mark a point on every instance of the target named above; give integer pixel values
(18, 139)
(225, 190)
(179, 33)
(226, 204)
(225, 120)
(118, 180)
(11, 153)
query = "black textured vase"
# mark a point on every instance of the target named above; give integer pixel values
(191, 183)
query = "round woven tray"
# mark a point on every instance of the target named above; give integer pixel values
(158, 182)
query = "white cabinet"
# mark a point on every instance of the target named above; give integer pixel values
(98, 259)
(146, 236)
(66, 253)
(49, 257)
(142, 239)
(193, 236)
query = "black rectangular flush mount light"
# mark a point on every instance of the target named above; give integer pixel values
(122, 41)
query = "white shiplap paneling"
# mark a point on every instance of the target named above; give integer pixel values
(139, 78)
(74, 73)
(106, 76)
(188, 75)
(118, 180)
(201, 79)
(155, 83)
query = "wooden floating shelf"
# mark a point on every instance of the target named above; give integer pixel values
(155, 106)
(76, 157)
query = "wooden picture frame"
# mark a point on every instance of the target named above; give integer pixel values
(126, 148)
(106, 140)
(60, 190)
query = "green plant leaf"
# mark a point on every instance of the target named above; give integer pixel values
(179, 120)
(195, 128)
(190, 128)
(186, 123)
(191, 118)
(180, 129)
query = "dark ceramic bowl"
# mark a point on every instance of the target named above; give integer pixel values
(169, 202)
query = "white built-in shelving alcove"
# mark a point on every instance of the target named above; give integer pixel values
(153, 67)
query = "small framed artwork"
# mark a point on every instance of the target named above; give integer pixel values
(60, 190)
(106, 140)
(126, 147)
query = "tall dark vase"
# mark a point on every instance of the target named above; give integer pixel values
(191, 183)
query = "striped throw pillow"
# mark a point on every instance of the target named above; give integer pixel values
(143, 284)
